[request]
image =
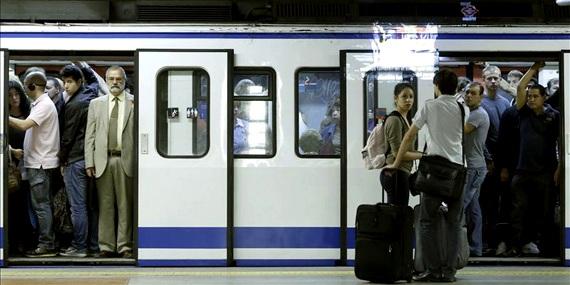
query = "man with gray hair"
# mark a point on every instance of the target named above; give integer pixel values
(109, 144)
(41, 145)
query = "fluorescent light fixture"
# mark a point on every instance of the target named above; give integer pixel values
(563, 2)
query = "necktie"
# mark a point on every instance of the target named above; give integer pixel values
(112, 140)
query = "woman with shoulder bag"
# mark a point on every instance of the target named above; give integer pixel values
(395, 181)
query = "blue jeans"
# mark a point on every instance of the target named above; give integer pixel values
(473, 216)
(76, 187)
(40, 195)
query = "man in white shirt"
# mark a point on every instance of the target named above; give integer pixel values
(442, 117)
(41, 145)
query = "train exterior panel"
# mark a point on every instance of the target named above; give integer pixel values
(213, 209)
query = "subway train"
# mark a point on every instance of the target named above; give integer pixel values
(276, 195)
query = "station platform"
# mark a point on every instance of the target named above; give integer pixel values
(86, 275)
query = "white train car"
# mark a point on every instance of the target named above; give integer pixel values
(278, 202)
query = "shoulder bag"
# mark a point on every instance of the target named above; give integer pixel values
(440, 177)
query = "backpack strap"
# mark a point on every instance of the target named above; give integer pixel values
(462, 131)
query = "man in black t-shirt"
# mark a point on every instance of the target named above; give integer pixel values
(537, 166)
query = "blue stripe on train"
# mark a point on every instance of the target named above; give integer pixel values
(287, 237)
(284, 35)
(182, 237)
(245, 237)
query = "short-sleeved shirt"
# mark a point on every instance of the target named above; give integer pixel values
(41, 143)
(475, 141)
(538, 136)
(495, 108)
(445, 128)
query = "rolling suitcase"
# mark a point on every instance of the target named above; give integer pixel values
(383, 249)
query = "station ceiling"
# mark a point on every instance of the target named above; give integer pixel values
(484, 12)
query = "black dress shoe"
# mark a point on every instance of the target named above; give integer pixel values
(127, 254)
(105, 254)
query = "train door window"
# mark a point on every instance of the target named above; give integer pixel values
(182, 108)
(254, 111)
(317, 97)
(379, 95)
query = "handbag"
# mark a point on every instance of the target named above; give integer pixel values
(440, 177)
(14, 176)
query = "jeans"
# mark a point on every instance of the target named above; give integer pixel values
(40, 195)
(431, 235)
(471, 191)
(395, 183)
(76, 187)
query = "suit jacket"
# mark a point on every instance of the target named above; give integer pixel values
(96, 135)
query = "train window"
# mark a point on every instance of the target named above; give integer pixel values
(182, 110)
(254, 109)
(317, 96)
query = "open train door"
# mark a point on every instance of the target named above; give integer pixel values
(564, 215)
(4, 151)
(183, 193)
(368, 80)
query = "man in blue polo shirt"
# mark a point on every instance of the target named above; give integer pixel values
(494, 104)
(537, 166)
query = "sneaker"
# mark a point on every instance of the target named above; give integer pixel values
(73, 252)
(41, 252)
(501, 249)
(530, 248)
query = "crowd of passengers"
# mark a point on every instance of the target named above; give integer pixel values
(514, 211)
(71, 138)
(510, 202)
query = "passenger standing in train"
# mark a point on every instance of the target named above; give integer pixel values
(73, 120)
(513, 78)
(21, 229)
(537, 166)
(476, 130)
(395, 181)
(506, 162)
(109, 143)
(494, 105)
(41, 145)
(442, 117)
(330, 129)
(55, 91)
(552, 86)
(241, 126)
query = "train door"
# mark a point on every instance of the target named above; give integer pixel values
(369, 85)
(3, 142)
(184, 205)
(564, 216)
